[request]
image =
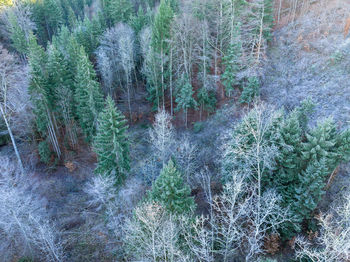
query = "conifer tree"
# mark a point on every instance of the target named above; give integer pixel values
(88, 32)
(184, 98)
(150, 67)
(17, 35)
(174, 4)
(250, 90)
(268, 19)
(48, 15)
(160, 36)
(296, 161)
(61, 82)
(232, 16)
(111, 144)
(343, 145)
(289, 161)
(41, 94)
(207, 101)
(310, 189)
(171, 192)
(72, 19)
(142, 19)
(320, 144)
(232, 63)
(38, 88)
(117, 10)
(88, 96)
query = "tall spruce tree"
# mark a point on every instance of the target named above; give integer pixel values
(41, 94)
(184, 98)
(38, 88)
(160, 41)
(88, 95)
(18, 36)
(232, 63)
(61, 81)
(171, 192)
(111, 144)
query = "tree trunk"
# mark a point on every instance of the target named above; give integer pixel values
(162, 69)
(128, 89)
(13, 140)
(171, 82)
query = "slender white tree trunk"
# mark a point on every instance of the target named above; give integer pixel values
(171, 81)
(12, 140)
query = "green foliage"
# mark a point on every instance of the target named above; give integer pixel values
(207, 99)
(265, 8)
(48, 16)
(17, 35)
(39, 89)
(111, 144)
(88, 32)
(142, 19)
(117, 11)
(45, 152)
(25, 259)
(268, 19)
(303, 111)
(161, 27)
(302, 161)
(320, 144)
(232, 63)
(174, 4)
(343, 145)
(267, 260)
(60, 79)
(88, 95)
(184, 97)
(171, 192)
(310, 188)
(250, 90)
(161, 33)
(198, 127)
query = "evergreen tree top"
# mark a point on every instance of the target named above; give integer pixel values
(170, 190)
(161, 28)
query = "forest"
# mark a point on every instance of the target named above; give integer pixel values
(174, 130)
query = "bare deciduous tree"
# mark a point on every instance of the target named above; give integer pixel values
(186, 156)
(243, 218)
(116, 57)
(162, 136)
(151, 62)
(153, 235)
(186, 39)
(333, 242)
(198, 238)
(229, 210)
(24, 227)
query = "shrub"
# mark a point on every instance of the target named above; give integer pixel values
(45, 152)
(198, 127)
(250, 90)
